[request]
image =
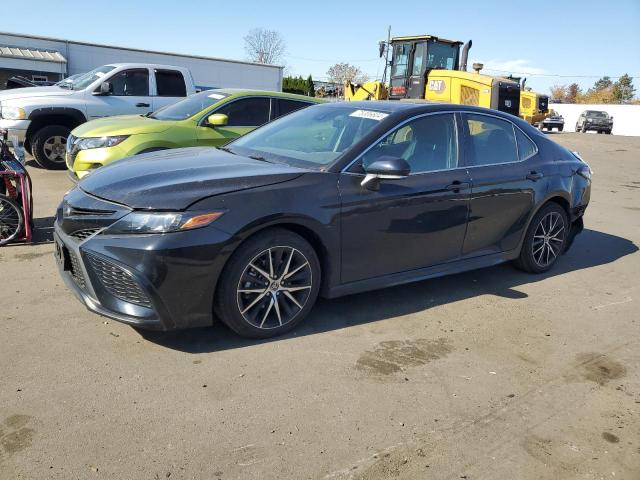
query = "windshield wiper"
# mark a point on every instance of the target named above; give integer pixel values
(258, 157)
(227, 149)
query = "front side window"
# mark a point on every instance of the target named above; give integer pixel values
(130, 83)
(247, 112)
(400, 60)
(427, 144)
(491, 140)
(312, 137)
(170, 83)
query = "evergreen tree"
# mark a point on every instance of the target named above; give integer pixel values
(311, 90)
(623, 89)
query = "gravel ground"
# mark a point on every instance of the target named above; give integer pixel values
(491, 374)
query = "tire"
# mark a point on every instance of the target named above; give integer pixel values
(608, 132)
(265, 307)
(11, 220)
(534, 260)
(584, 129)
(48, 146)
(599, 132)
(577, 128)
(560, 129)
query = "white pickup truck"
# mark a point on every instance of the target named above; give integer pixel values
(42, 117)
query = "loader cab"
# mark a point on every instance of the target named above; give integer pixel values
(412, 58)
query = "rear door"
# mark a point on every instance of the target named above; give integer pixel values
(170, 86)
(244, 114)
(506, 172)
(130, 94)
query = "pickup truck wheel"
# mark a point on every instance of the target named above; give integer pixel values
(48, 146)
(560, 129)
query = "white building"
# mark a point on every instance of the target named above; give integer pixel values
(51, 59)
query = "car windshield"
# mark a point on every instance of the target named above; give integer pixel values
(84, 80)
(597, 114)
(189, 106)
(311, 138)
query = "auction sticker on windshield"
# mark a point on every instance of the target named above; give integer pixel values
(370, 114)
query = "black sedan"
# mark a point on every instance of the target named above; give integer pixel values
(331, 200)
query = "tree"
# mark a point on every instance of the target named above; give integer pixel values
(623, 89)
(573, 93)
(264, 46)
(311, 88)
(558, 93)
(342, 73)
(603, 83)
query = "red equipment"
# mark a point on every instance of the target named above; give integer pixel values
(16, 200)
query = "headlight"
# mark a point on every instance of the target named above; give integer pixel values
(100, 142)
(588, 119)
(162, 222)
(13, 113)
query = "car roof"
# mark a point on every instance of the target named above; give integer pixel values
(145, 65)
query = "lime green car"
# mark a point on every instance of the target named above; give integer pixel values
(209, 118)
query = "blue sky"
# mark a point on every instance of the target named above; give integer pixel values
(577, 40)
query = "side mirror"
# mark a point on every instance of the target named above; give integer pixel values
(385, 168)
(105, 89)
(217, 120)
(610, 118)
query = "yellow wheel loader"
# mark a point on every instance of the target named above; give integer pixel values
(434, 69)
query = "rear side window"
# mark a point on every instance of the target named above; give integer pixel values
(287, 106)
(491, 140)
(248, 112)
(170, 83)
(130, 83)
(526, 147)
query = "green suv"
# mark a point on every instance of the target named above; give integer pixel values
(209, 118)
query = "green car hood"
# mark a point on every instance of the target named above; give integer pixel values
(122, 125)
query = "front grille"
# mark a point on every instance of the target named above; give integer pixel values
(118, 282)
(76, 269)
(82, 235)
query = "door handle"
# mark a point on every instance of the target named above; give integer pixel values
(457, 185)
(534, 176)
(141, 104)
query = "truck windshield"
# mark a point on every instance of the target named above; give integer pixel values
(442, 55)
(189, 106)
(86, 79)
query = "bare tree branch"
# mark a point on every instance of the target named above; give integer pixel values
(264, 46)
(343, 72)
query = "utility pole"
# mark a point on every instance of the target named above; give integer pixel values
(386, 56)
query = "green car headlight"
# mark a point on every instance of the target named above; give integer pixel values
(162, 222)
(100, 142)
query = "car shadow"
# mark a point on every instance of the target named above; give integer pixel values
(43, 230)
(590, 249)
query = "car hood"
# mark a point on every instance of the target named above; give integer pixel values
(16, 93)
(121, 125)
(174, 179)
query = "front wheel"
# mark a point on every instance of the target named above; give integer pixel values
(545, 239)
(560, 129)
(269, 284)
(11, 220)
(48, 146)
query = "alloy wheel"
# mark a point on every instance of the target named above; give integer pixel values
(54, 148)
(274, 287)
(548, 239)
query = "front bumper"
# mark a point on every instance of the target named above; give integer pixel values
(83, 161)
(16, 128)
(160, 282)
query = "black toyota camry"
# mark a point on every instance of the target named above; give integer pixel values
(330, 200)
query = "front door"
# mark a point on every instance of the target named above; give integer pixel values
(506, 173)
(129, 95)
(417, 72)
(244, 115)
(409, 223)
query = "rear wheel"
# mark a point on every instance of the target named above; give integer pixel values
(545, 239)
(11, 220)
(48, 146)
(560, 129)
(269, 284)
